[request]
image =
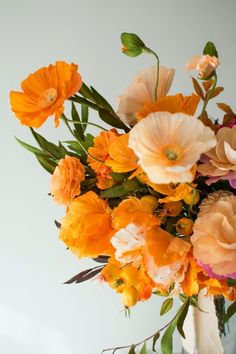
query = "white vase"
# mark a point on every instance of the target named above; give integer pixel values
(201, 330)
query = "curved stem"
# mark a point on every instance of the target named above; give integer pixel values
(150, 337)
(209, 96)
(87, 123)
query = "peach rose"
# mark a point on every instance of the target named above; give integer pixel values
(220, 162)
(66, 179)
(214, 237)
(205, 64)
(141, 91)
(168, 145)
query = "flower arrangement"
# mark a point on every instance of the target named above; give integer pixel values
(152, 199)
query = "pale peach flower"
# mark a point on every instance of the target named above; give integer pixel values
(142, 91)
(137, 245)
(214, 237)
(205, 64)
(168, 145)
(66, 179)
(220, 162)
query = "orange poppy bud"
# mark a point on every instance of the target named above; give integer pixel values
(173, 208)
(130, 296)
(150, 201)
(192, 198)
(184, 226)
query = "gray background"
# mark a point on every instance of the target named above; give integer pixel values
(38, 314)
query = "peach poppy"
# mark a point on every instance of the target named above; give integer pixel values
(66, 180)
(205, 64)
(142, 90)
(214, 237)
(168, 145)
(44, 93)
(172, 104)
(86, 228)
(121, 157)
(220, 162)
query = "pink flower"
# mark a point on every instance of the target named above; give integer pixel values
(142, 90)
(205, 64)
(220, 162)
(214, 236)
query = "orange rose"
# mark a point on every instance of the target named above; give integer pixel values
(44, 93)
(86, 228)
(66, 179)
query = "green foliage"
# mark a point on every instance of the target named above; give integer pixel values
(182, 316)
(230, 312)
(79, 131)
(54, 151)
(48, 164)
(155, 338)
(231, 282)
(210, 49)
(166, 341)
(132, 350)
(144, 349)
(166, 306)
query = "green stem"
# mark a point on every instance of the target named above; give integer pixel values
(87, 123)
(150, 51)
(209, 96)
(150, 337)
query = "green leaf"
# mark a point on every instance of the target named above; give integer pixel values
(111, 119)
(47, 146)
(83, 100)
(84, 115)
(86, 92)
(230, 312)
(210, 49)
(155, 338)
(113, 192)
(132, 350)
(62, 150)
(48, 164)
(32, 149)
(231, 282)
(132, 52)
(166, 306)
(182, 317)
(101, 101)
(119, 177)
(131, 41)
(144, 349)
(79, 132)
(166, 341)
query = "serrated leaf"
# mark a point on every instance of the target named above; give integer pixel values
(155, 338)
(132, 350)
(46, 145)
(101, 101)
(144, 349)
(79, 132)
(85, 275)
(166, 341)
(166, 306)
(230, 312)
(111, 119)
(32, 149)
(198, 88)
(48, 164)
(182, 317)
(210, 49)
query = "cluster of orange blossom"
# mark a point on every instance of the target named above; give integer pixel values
(152, 199)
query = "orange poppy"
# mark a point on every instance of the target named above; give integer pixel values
(44, 93)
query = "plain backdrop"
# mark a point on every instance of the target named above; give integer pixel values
(38, 313)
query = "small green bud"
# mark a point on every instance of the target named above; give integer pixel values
(210, 49)
(132, 44)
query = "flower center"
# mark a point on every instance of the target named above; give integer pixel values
(172, 153)
(48, 97)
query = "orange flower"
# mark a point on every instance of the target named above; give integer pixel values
(86, 228)
(134, 210)
(44, 93)
(172, 104)
(205, 64)
(121, 157)
(133, 283)
(66, 179)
